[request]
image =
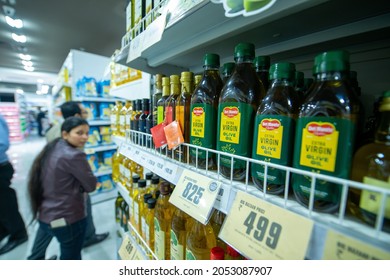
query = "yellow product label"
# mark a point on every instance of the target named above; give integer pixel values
(230, 125)
(269, 140)
(370, 200)
(198, 117)
(319, 146)
(180, 116)
(160, 114)
(159, 240)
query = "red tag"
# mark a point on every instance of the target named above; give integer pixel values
(158, 135)
(173, 134)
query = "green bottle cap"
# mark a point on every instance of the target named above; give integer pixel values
(282, 70)
(244, 49)
(331, 61)
(228, 68)
(262, 62)
(211, 59)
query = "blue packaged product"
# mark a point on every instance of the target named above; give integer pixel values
(105, 88)
(106, 183)
(105, 111)
(89, 86)
(90, 107)
(94, 138)
(93, 162)
(107, 158)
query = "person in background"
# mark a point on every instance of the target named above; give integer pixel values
(59, 180)
(41, 115)
(11, 222)
(42, 239)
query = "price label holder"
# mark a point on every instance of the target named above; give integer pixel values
(222, 200)
(154, 31)
(126, 150)
(341, 247)
(135, 49)
(126, 248)
(263, 231)
(195, 194)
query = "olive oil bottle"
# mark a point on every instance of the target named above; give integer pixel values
(138, 204)
(274, 130)
(116, 160)
(149, 221)
(182, 113)
(203, 117)
(128, 115)
(166, 90)
(132, 191)
(158, 90)
(325, 133)
(216, 222)
(162, 223)
(200, 241)
(142, 214)
(170, 102)
(262, 64)
(239, 100)
(181, 223)
(122, 118)
(371, 165)
(115, 112)
(227, 71)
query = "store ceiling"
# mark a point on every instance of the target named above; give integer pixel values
(52, 29)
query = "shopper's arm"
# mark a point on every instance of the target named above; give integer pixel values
(82, 171)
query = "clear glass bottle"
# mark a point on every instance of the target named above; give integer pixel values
(170, 102)
(239, 100)
(181, 223)
(274, 128)
(262, 64)
(200, 241)
(216, 222)
(371, 165)
(162, 223)
(326, 129)
(122, 118)
(142, 214)
(203, 117)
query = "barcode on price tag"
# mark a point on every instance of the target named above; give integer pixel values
(195, 194)
(263, 231)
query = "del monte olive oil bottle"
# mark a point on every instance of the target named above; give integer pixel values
(227, 71)
(262, 64)
(274, 128)
(325, 133)
(203, 117)
(238, 103)
(371, 165)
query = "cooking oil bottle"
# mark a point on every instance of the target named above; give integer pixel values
(182, 113)
(274, 129)
(154, 186)
(181, 223)
(142, 214)
(227, 71)
(158, 89)
(216, 222)
(138, 204)
(133, 190)
(371, 165)
(116, 160)
(325, 133)
(123, 170)
(115, 117)
(122, 118)
(203, 117)
(200, 241)
(170, 102)
(149, 221)
(118, 210)
(162, 223)
(128, 115)
(197, 79)
(128, 174)
(166, 90)
(239, 100)
(262, 64)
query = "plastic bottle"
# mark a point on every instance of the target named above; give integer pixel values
(182, 113)
(239, 100)
(116, 160)
(138, 204)
(274, 129)
(149, 220)
(227, 71)
(161, 102)
(325, 133)
(203, 117)
(132, 191)
(145, 199)
(122, 118)
(200, 241)
(162, 223)
(180, 226)
(262, 64)
(371, 165)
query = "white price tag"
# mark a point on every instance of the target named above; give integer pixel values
(222, 200)
(154, 31)
(159, 166)
(263, 231)
(195, 194)
(136, 47)
(169, 171)
(151, 164)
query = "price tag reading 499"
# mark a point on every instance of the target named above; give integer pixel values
(263, 231)
(195, 194)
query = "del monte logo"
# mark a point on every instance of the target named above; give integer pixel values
(319, 129)
(230, 112)
(270, 124)
(198, 111)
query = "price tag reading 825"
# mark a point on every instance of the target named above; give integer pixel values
(195, 194)
(263, 231)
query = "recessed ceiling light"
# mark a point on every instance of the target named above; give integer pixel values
(29, 68)
(25, 56)
(19, 90)
(17, 23)
(19, 38)
(27, 63)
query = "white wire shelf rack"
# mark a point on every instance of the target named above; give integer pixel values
(138, 147)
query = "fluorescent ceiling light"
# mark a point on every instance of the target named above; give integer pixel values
(17, 23)
(40, 81)
(19, 90)
(29, 68)
(27, 63)
(25, 56)
(19, 38)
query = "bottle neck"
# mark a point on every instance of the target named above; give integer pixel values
(332, 76)
(282, 82)
(175, 89)
(165, 91)
(382, 134)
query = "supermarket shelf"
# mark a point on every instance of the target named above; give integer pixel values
(209, 30)
(91, 150)
(103, 196)
(96, 99)
(133, 90)
(99, 122)
(171, 170)
(103, 172)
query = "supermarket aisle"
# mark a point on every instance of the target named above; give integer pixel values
(22, 155)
